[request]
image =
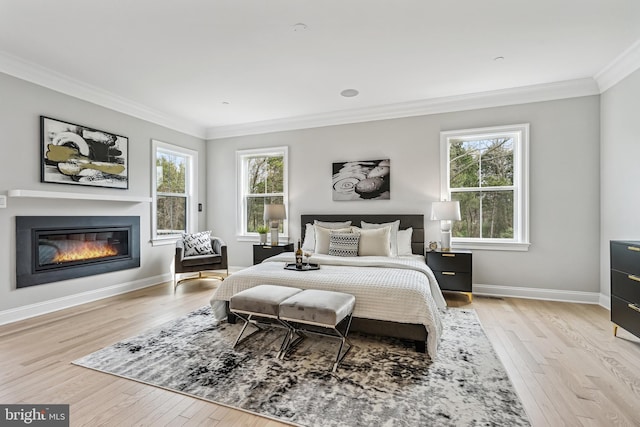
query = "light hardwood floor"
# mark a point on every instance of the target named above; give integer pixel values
(562, 359)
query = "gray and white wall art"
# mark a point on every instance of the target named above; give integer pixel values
(362, 180)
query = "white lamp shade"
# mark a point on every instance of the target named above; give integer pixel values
(274, 212)
(445, 211)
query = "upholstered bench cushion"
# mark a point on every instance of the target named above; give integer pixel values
(261, 299)
(317, 307)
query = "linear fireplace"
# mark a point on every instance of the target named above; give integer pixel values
(54, 248)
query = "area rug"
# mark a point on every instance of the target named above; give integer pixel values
(381, 382)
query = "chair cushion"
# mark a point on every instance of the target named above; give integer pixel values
(201, 260)
(261, 299)
(325, 308)
(197, 243)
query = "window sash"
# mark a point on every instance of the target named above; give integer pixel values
(519, 188)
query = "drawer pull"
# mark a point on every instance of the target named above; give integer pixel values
(450, 255)
(634, 278)
(633, 248)
(448, 273)
(634, 307)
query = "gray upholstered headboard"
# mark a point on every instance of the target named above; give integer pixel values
(416, 221)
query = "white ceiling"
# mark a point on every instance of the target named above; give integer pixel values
(182, 61)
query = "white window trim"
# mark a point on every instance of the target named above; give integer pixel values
(241, 214)
(191, 190)
(520, 242)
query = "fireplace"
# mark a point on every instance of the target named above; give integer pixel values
(50, 249)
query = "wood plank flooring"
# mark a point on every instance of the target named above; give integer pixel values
(565, 363)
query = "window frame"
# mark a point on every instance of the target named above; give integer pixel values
(242, 185)
(520, 132)
(191, 190)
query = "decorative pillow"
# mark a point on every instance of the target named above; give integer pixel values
(343, 244)
(393, 238)
(404, 242)
(322, 238)
(197, 243)
(309, 243)
(332, 225)
(375, 242)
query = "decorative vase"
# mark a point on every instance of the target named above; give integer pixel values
(263, 238)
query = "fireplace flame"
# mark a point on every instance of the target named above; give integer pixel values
(89, 250)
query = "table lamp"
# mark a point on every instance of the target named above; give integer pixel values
(274, 214)
(445, 212)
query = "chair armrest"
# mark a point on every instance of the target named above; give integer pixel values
(217, 244)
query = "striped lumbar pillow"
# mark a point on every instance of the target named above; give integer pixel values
(343, 244)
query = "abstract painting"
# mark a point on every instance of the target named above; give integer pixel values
(74, 154)
(362, 180)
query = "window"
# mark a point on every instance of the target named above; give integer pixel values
(262, 179)
(174, 190)
(486, 170)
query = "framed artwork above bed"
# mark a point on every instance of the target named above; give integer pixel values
(362, 180)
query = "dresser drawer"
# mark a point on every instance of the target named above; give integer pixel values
(439, 261)
(625, 257)
(625, 286)
(454, 281)
(622, 314)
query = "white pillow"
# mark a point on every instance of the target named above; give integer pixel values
(323, 238)
(404, 242)
(393, 238)
(309, 243)
(375, 242)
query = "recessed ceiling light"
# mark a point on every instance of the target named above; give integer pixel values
(498, 58)
(300, 27)
(225, 103)
(349, 93)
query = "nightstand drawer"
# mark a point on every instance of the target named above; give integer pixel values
(454, 281)
(443, 261)
(625, 286)
(626, 315)
(625, 257)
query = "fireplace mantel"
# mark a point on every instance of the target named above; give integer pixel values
(77, 196)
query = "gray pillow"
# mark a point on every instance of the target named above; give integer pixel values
(393, 237)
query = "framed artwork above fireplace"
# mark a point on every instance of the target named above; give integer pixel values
(80, 155)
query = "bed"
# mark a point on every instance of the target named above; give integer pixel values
(395, 296)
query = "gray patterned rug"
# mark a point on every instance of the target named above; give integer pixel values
(381, 382)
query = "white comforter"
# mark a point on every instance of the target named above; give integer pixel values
(399, 289)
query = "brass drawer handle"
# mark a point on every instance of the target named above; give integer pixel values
(448, 273)
(450, 255)
(633, 248)
(634, 307)
(634, 278)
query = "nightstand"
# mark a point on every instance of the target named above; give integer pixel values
(262, 252)
(453, 270)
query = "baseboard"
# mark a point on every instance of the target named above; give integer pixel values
(536, 293)
(605, 301)
(32, 310)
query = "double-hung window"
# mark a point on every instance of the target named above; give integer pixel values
(486, 170)
(174, 190)
(262, 179)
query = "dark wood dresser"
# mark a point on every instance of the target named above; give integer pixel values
(625, 286)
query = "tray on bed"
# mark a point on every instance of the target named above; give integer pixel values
(305, 267)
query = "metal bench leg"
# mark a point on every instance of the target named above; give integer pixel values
(247, 320)
(343, 339)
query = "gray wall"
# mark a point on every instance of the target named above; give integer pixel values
(620, 169)
(21, 104)
(564, 184)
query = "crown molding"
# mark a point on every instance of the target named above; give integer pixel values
(50, 79)
(624, 64)
(496, 98)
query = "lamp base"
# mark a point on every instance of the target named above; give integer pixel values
(274, 237)
(446, 241)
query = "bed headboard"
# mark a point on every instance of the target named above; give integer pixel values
(416, 221)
